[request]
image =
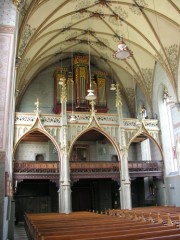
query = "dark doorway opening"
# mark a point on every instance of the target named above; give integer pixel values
(95, 194)
(35, 196)
(137, 192)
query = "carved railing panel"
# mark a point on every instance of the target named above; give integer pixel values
(145, 166)
(36, 167)
(86, 167)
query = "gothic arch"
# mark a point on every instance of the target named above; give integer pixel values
(98, 130)
(150, 137)
(43, 132)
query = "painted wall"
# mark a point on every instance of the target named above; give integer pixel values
(42, 87)
(27, 151)
(96, 151)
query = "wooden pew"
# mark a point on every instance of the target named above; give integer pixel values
(85, 235)
(140, 223)
(114, 236)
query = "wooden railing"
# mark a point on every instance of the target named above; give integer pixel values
(36, 167)
(146, 166)
(86, 167)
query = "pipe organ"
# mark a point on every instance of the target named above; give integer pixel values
(77, 82)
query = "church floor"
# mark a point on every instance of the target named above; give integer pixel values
(19, 232)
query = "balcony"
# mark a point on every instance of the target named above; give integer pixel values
(48, 170)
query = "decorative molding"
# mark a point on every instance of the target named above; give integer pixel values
(24, 119)
(172, 55)
(5, 46)
(136, 8)
(118, 17)
(27, 33)
(131, 97)
(22, 67)
(148, 79)
(7, 29)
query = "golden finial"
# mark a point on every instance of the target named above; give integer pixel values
(37, 106)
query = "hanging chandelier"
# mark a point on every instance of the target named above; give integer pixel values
(123, 51)
(73, 118)
(113, 85)
(90, 96)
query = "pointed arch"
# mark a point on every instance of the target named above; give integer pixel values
(43, 131)
(103, 133)
(145, 133)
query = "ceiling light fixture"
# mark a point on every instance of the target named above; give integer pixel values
(90, 96)
(72, 117)
(123, 52)
(113, 85)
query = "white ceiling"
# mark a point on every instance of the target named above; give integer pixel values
(51, 30)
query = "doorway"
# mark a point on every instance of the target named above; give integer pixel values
(35, 196)
(95, 194)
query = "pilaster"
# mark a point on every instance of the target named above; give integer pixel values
(65, 189)
(8, 41)
(125, 189)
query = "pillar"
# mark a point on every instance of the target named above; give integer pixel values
(8, 38)
(125, 189)
(125, 181)
(64, 181)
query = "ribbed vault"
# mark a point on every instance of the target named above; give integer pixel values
(50, 30)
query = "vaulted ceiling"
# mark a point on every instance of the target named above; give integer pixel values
(50, 30)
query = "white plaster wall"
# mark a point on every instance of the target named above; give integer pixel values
(160, 193)
(138, 150)
(179, 81)
(155, 152)
(173, 190)
(160, 81)
(132, 153)
(175, 111)
(27, 151)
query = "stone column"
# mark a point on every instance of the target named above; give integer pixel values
(8, 39)
(125, 181)
(125, 196)
(64, 189)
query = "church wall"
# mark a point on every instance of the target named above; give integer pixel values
(53, 156)
(160, 81)
(138, 150)
(42, 87)
(173, 190)
(155, 152)
(175, 111)
(179, 81)
(132, 152)
(159, 190)
(140, 101)
(27, 151)
(98, 151)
